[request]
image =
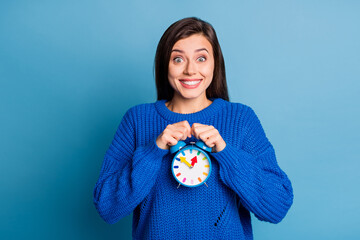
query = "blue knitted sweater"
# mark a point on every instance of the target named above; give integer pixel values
(136, 177)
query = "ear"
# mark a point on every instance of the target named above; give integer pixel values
(203, 146)
(177, 147)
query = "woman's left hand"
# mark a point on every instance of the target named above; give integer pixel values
(209, 135)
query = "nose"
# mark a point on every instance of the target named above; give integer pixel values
(190, 68)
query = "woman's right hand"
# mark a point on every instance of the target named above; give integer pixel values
(173, 133)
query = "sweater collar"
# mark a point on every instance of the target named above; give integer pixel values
(216, 105)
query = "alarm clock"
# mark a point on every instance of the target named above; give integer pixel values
(191, 165)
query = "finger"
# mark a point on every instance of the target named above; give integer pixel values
(179, 132)
(196, 126)
(177, 135)
(170, 141)
(212, 140)
(185, 134)
(185, 128)
(208, 133)
(173, 132)
(186, 125)
(188, 129)
(182, 123)
(185, 131)
(199, 129)
(195, 129)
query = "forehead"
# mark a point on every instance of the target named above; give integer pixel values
(192, 43)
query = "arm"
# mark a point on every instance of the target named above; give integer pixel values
(253, 173)
(127, 173)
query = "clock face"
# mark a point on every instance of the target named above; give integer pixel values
(191, 167)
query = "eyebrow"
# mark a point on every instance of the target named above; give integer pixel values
(197, 50)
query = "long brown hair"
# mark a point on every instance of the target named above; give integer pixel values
(179, 30)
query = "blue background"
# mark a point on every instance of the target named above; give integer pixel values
(70, 69)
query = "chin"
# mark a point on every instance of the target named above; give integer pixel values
(191, 96)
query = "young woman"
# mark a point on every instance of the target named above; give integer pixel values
(192, 105)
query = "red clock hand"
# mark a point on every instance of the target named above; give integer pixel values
(193, 161)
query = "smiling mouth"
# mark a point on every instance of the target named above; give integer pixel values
(191, 82)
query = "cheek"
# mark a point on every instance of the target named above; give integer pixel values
(174, 71)
(208, 71)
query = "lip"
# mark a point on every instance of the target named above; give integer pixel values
(188, 86)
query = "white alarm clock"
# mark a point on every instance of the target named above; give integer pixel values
(191, 165)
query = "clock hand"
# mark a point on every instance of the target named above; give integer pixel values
(193, 161)
(183, 159)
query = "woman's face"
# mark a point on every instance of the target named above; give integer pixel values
(191, 66)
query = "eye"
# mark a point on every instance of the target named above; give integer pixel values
(201, 59)
(178, 60)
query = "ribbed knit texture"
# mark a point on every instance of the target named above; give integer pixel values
(136, 177)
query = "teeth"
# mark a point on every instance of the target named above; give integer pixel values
(190, 82)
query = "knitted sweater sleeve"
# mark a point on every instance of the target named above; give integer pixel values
(253, 173)
(127, 174)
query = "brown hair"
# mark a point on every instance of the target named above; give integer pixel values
(179, 30)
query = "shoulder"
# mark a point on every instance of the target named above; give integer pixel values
(238, 109)
(241, 114)
(143, 107)
(139, 110)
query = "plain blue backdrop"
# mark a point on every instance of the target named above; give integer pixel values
(70, 69)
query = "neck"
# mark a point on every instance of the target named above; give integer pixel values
(185, 106)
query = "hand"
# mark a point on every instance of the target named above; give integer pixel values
(209, 135)
(173, 133)
(183, 160)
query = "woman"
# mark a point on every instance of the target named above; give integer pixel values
(192, 105)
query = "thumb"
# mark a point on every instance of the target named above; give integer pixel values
(189, 133)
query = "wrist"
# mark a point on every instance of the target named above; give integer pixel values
(161, 145)
(219, 147)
